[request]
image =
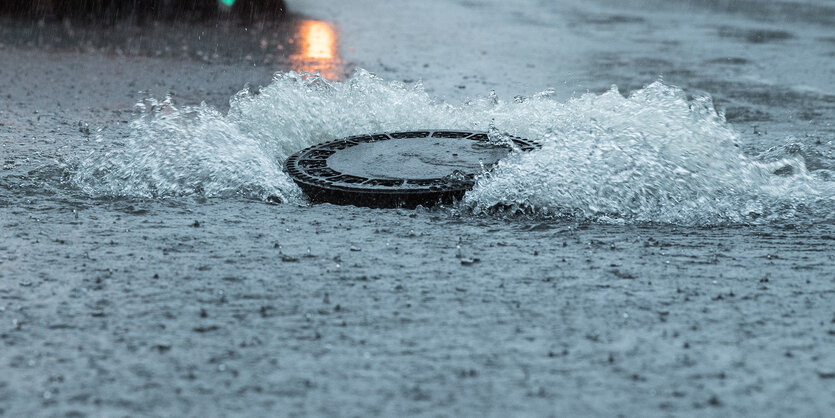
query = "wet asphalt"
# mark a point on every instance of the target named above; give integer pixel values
(217, 307)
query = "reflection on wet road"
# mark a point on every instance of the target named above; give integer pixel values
(317, 50)
(289, 44)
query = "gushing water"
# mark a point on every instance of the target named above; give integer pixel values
(654, 156)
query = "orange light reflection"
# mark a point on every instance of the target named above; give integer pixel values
(318, 50)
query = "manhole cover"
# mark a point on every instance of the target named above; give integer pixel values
(398, 169)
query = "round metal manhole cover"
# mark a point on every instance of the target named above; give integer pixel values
(397, 169)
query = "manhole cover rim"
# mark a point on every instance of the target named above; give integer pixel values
(300, 174)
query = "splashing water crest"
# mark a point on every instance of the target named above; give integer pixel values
(651, 157)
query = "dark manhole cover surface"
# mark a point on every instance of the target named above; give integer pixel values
(398, 169)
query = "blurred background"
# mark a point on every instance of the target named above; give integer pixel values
(142, 10)
(249, 32)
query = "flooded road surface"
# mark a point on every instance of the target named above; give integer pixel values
(668, 251)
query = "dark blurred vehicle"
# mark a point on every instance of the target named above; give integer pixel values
(141, 10)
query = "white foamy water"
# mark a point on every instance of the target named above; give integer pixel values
(653, 156)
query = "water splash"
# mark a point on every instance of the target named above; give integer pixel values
(652, 156)
(177, 152)
(173, 151)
